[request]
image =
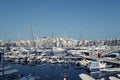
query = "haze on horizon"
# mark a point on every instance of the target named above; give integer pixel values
(78, 19)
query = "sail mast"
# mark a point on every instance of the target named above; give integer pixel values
(52, 43)
(2, 62)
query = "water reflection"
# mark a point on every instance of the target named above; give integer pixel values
(56, 71)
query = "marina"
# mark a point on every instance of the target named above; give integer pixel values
(57, 67)
(59, 40)
(62, 64)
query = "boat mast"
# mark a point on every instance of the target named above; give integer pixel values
(65, 39)
(2, 62)
(32, 40)
(52, 43)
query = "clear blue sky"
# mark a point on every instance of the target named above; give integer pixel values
(79, 19)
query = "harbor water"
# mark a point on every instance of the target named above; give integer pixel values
(56, 71)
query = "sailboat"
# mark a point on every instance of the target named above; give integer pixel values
(57, 50)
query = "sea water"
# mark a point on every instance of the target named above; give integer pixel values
(57, 71)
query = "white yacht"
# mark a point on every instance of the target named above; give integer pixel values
(93, 66)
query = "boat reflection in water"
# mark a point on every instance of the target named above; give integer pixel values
(56, 72)
(9, 73)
